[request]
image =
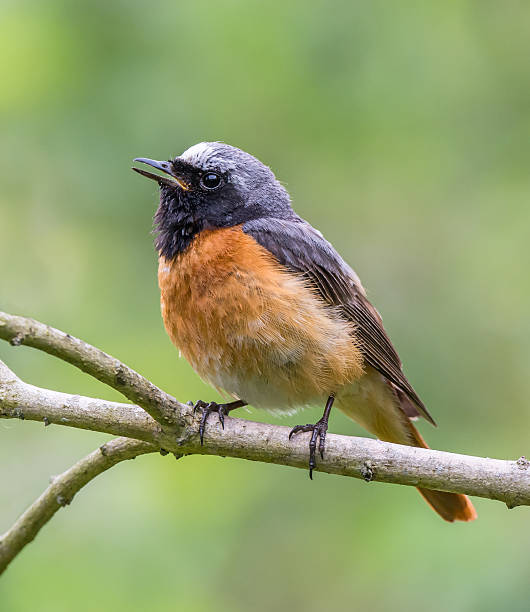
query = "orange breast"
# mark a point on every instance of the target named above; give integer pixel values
(252, 328)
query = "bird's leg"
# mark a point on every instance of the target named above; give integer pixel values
(221, 409)
(318, 430)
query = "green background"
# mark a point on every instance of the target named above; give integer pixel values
(402, 131)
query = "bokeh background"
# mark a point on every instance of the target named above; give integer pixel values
(402, 131)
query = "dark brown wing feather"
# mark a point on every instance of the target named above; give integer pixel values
(298, 246)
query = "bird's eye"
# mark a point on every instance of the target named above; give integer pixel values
(210, 180)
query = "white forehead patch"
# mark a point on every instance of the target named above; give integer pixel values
(205, 155)
(198, 152)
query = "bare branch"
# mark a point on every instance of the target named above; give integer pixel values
(61, 492)
(364, 458)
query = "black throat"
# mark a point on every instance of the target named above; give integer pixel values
(175, 226)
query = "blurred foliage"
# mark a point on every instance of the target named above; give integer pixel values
(402, 131)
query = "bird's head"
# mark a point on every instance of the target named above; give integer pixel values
(211, 185)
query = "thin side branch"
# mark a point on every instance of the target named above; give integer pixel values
(62, 490)
(21, 330)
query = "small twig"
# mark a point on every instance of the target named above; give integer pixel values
(61, 492)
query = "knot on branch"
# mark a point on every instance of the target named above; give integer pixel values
(523, 463)
(121, 375)
(17, 339)
(367, 471)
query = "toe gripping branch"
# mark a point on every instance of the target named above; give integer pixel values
(221, 409)
(319, 430)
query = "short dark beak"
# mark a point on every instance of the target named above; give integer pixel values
(164, 166)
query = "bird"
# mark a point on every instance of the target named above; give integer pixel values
(266, 310)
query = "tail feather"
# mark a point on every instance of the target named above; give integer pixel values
(450, 506)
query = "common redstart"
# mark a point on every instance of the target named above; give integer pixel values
(266, 310)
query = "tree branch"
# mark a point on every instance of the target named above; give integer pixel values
(61, 492)
(172, 426)
(363, 458)
(19, 400)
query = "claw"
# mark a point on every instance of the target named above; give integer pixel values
(299, 428)
(318, 430)
(207, 410)
(322, 444)
(209, 407)
(197, 405)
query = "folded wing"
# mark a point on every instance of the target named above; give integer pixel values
(303, 249)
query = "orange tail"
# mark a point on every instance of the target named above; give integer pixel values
(450, 506)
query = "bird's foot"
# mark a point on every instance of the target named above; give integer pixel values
(221, 409)
(319, 430)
